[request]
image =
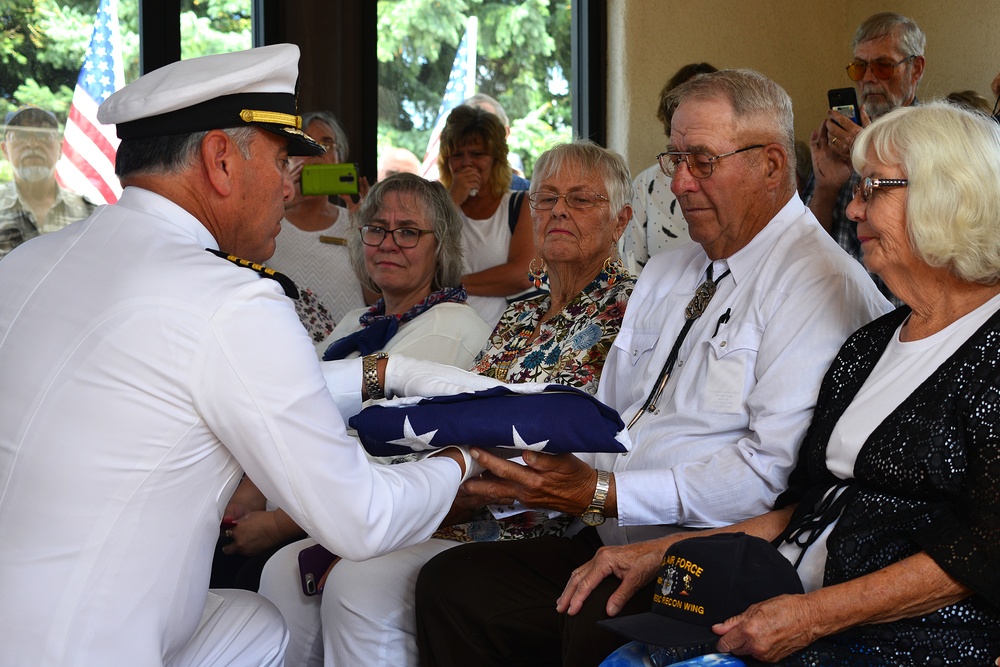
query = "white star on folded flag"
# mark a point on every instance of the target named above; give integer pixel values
(417, 443)
(519, 442)
(511, 417)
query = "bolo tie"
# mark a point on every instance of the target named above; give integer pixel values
(695, 309)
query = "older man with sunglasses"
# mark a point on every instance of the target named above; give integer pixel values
(715, 371)
(887, 66)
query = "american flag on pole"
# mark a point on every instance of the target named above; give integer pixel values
(87, 165)
(461, 85)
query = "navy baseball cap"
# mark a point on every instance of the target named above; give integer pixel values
(706, 580)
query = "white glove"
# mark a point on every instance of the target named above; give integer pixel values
(472, 467)
(415, 377)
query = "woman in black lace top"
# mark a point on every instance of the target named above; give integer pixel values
(892, 516)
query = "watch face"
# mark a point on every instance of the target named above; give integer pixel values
(592, 518)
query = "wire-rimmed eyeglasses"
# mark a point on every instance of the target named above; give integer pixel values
(867, 186)
(543, 201)
(701, 165)
(882, 69)
(20, 135)
(404, 237)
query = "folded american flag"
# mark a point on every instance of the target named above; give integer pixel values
(549, 418)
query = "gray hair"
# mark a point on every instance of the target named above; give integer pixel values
(908, 34)
(439, 209)
(759, 104)
(169, 154)
(343, 148)
(479, 100)
(589, 157)
(951, 157)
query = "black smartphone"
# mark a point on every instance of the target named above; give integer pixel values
(330, 179)
(314, 561)
(845, 101)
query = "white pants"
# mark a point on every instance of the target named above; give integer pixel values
(365, 615)
(236, 628)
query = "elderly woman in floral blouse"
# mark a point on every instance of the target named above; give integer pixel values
(579, 202)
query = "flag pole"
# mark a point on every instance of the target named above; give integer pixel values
(461, 85)
(472, 35)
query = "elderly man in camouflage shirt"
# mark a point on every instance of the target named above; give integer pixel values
(34, 203)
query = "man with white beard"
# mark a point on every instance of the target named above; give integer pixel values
(34, 203)
(886, 69)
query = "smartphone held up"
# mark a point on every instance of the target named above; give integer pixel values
(330, 179)
(845, 101)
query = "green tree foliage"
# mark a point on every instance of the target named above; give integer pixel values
(43, 43)
(523, 60)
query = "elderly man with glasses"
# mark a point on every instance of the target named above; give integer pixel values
(715, 371)
(34, 203)
(887, 66)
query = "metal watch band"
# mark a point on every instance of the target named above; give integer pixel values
(369, 373)
(601, 491)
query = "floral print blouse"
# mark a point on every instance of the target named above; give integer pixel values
(570, 349)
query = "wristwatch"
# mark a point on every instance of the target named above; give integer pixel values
(369, 373)
(594, 515)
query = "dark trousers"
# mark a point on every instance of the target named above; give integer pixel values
(495, 604)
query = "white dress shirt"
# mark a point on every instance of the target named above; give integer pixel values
(726, 431)
(140, 372)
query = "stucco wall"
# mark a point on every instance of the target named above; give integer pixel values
(801, 44)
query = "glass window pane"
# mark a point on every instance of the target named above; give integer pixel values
(433, 55)
(214, 26)
(66, 58)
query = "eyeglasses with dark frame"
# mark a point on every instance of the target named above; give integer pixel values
(701, 165)
(404, 237)
(867, 186)
(882, 69)
(543, 201)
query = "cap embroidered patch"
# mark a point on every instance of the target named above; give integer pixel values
(706, 580)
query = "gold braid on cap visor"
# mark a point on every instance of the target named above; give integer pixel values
(275, 117)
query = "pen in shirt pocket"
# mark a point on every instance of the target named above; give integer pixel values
(722, 320)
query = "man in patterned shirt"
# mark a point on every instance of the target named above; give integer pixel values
(34, 203)
(887, 66)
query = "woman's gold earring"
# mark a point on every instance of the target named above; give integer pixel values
(612, 268)
(537, 272)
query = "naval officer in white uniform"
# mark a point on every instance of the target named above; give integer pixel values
(143, 373)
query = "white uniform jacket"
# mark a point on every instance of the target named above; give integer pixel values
(140, 375)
